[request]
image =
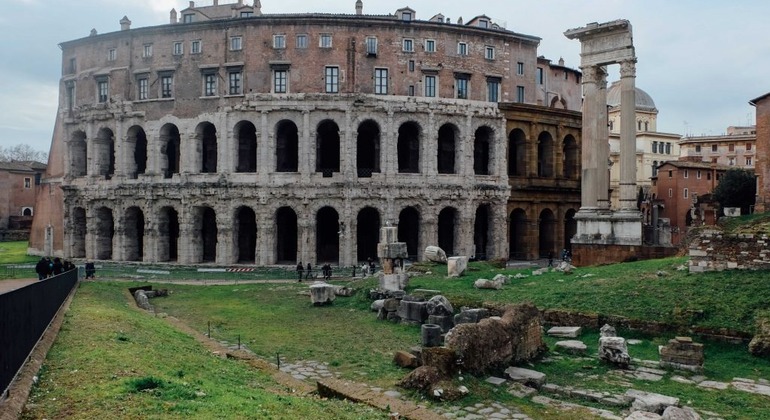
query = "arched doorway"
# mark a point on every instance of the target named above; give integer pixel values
(206, 227)
(105, 153)
(105, 230)
(517, 153)
(207, 136)
(327, 238)
(246, 136)
(78, 154)
(137, 147)
(245, 230)
(446, 149)
(408, 148)
(286, 147)
(409, 231)
(168, 234)
(368, 149)
(545, 155)
(482, 147)
(134, 234)
(367, 233)
(327, 148)
(286, 236)
(169, 150)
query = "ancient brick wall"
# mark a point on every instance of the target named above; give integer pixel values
(716, 251)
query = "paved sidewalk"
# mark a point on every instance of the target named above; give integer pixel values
(13, 284)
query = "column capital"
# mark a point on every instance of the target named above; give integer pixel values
(628, 68)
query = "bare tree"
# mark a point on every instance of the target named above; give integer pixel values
(22, 152)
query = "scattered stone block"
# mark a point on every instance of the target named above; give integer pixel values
(412, 311)
(682, 353)
(540, 271)
(405, 360)
(680, 413)
(760, 343)
(435, 254)
(439, 305)
(565, 332)
(572, 347)
(713, 385)
(527, 377)
(494, 380)
(471, 316)
(343, 291)
(322, 293)
(393, 282)
(607, 330)
(633, 342)
(613, 350)
(488, 284)
(753, 388)
(651, 402)
(642, 415)
(377, 305)
(522, 391)
(442, 358)
(431, 335)
(445, 322)
(422, 378)
(456, 266)
(501, 278)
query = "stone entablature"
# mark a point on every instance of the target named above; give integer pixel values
(716, 251)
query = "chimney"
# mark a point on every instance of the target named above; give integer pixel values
(216, 2)
(172, 18)
(561, 61)
(359, 7)
(125, 24)
(460, 20)
(192, 4)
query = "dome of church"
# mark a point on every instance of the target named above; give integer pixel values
(644, 101)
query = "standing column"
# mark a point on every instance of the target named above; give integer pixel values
(588, 184)
(602, 140)
(627, 135)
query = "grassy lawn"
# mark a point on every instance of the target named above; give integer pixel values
(15, 253)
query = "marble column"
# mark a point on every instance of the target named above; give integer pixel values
(602, 140)
(588, 185)
(627, 136)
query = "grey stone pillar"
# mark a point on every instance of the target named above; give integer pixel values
(627, 136)
(589, 179)
(602, 140)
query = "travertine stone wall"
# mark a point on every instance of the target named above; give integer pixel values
(715, 251)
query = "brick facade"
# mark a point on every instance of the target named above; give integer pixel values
(762, 165)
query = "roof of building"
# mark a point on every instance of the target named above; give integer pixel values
(22, 166)
(688, 164)
(644, 101)
(759, 99)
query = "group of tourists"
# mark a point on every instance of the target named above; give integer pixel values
(46, 267)
(326, 270)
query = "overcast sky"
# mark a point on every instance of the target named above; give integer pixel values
(700, 60)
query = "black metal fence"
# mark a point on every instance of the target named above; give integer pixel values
(25, 314)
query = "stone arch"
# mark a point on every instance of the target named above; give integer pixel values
(409, 231)
(136, 149)
(482, 231)
(447, 148)
(327, 235)
(327, 157)
(79, 229)
(245, 230)
(482, 150)
(286, 235)
(559, 103)
(286, 146)
(517, 153)
(545, 155)
(206, 134)
(447, 230)
(133, 227)
(570, 228)
(78, 154)
(104, 233)
(367, 233)
(547, 232)
(408, 147)
(26, 211)
(571, 165)
(517, 238)
(104, 145)
(168, 234)
(170, 152)
(368, 148)
(205, 234)
(246, 138)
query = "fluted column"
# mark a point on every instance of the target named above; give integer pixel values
(602, 140)
(589, 179)
(627, 136)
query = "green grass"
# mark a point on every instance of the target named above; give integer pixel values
(15, 253)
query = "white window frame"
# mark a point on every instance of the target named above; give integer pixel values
(178, 48)
(325, 40)
(279, 41)
(102, 90)
(112, 54)
(301, 41)
(686, 174)
(462, 88)
(698, 174)
(430, 45)
(235, 82)
(280, 81)
(407, 45)
(210, 85)
(147, 50)
(489, 52)
(332, 79)
(236, 43)
(143, 87)
(381, 76)
(685, 193)
(670, 192)
(462, 48)
(196, 46)
(431, 88)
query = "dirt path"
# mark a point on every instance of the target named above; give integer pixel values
(13, 284)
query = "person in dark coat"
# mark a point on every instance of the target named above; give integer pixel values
(299, 271)
(309, 271)
(90, 269)
(41, 268)
(58, 267)
(49, 267)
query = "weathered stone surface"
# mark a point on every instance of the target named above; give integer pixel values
(393, 282)
(613, 350)
(498, 342)
(521, 391)
(343, 291)
(142, 301)
(422, 378)
(439, 305)
(377, 305)
(642, 415)
(682, 353)
(494, 380)
(322, 293)
(391, 305)
(488, 284)
(527, 377)
(648, 401)
(753, 388)
(680, 413)
(405, 360)
(435, 254)
(413, 311)
(443, 359)
(713, 385)
(456, 266)
(392, 250)
(501, 278)
(607, 331)
(760, 343)
(444, 321)
(565, 332)
(571, 347)
(471, 316)
(431, 335)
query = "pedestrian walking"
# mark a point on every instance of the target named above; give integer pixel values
(309, 271)
(299, 271)
(41, 268)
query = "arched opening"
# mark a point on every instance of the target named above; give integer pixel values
(570, 228)
(169, 150)
(133, 226)
(446, 149)
(286, 236)
(245, 230)
(78, 233)
(558, 103)
(518, 235)
(409, 231)
(246, 136)
(408, 148)
(545, 155)
(327, 237)
(105, 153)
(207, 138)
(517, 153)
(205, 228)
(327, 148)
(571, 162)
(105, 230)
(286, 147)
(168, 234)
(136, 143)
(367, 233)
(368, 149)
(26, 211)
(481, 232)
(78, 154)
(481, 150)
(547, 233)
(447, 223)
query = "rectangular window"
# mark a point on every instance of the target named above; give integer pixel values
(731, 147)
(72, 65)
(462, 48)
(708, 176)
(280, 78)
(731, 161)
(332, 79)
(371, 46)
(27, 182)
(195, 47)
(668, 148)
(70, 95)
(279, 42)
(483, 23)
(489, 53)
(410, 90)
(247, 14)
(686, 174)
(325, 41)
(493, 89)
(749, 162)
(520, 68)
(143, 84)
(697, 148)
(714, 147)
(408, 45)
(411, 65)
(655, 147)
(210, 84)
(686, 193)
(520, 94)
(166, 86)
(188, 18)
(406, 16)
(234, 82)
(670, 175)
(301, 41)
(748, 146)
(112, 54)
(380, 81)
(670, 192)
(430, 45)
(430, 86)
(697, 174)
(462, 87)
(540, 76)
(178, 48)
(236, 43)
(147, 51)
(102, 89)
